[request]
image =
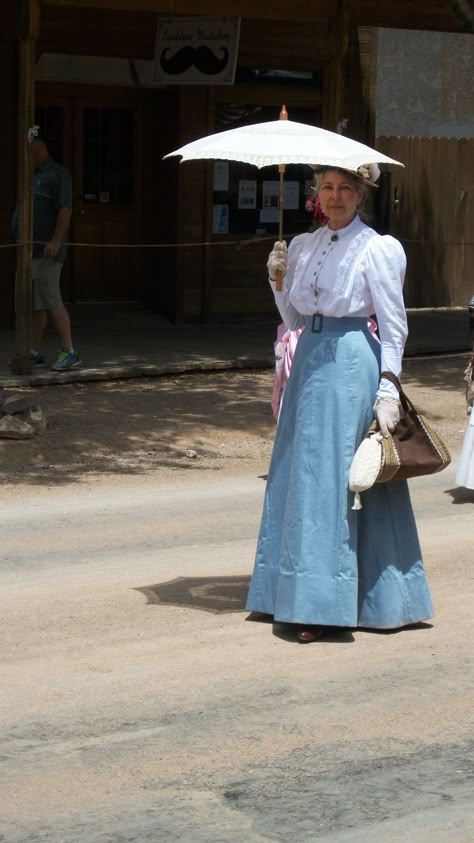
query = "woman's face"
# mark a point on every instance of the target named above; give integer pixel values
(339, 198)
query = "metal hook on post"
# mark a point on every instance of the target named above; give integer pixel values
(33, 132)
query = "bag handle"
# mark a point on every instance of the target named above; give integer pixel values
(404, 399)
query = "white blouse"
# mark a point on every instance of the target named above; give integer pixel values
(350, 272)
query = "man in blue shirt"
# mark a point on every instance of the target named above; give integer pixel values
(52, 208)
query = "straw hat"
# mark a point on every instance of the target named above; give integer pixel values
(367, 173)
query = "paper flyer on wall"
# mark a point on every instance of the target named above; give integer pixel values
(291, 195)
(269, 215)
(221, 175)
(220, 219)
(247, 194)
(270, 194)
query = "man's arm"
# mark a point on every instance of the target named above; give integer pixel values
(62, 224)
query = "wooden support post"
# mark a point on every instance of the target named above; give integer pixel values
(28, 25)
(337, 67)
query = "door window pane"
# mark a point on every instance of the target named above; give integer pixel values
(108, 155)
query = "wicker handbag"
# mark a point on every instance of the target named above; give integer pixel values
(411, 450)
(469, 378)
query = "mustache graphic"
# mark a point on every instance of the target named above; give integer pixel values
(201, 57)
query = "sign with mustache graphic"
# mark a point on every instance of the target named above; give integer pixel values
(196, 51)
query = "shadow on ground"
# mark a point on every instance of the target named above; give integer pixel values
(211, 594)
(444, 373)
(397, 631)
(461, 495)
(191, 422)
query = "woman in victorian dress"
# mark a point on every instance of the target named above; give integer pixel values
(320, 563)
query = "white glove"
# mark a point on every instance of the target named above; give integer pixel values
(278, 259)
(387, 412)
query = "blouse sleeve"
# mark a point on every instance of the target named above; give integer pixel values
(291, 317)
(385, 267)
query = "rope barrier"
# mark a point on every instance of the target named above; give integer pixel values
(236, 243)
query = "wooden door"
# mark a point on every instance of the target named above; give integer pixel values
(106, 213)
(97, 136)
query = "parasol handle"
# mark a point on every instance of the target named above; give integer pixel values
(279, 275)
(281, 170)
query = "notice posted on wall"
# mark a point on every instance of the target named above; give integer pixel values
(291, 195)
(220, 219)
(270, 194)
(247, 194)
(269, 215)
(221, 175)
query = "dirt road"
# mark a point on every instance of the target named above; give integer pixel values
(124, 719)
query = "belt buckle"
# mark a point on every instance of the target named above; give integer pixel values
(320, 326)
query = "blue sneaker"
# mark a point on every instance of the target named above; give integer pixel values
(37, 358)
(66, 360)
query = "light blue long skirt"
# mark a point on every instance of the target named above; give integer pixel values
(319, 561)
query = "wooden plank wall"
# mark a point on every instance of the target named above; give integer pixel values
(97, 32)
(8, 159)
(435, 217)
(101, 32)
(294, 45)
(436, 15)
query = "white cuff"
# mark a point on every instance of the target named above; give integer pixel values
(387, 389)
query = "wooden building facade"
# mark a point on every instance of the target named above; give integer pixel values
(315, 57)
